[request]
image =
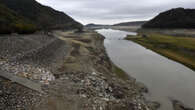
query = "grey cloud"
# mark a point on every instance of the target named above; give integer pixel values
(113, 11)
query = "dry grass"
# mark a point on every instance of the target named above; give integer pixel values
(120, 73)
(181, 49)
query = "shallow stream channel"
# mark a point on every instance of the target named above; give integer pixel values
(166, 79)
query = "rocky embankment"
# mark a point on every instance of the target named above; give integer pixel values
(74, 71)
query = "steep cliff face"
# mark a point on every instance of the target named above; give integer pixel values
(174, 18)
(42, 17)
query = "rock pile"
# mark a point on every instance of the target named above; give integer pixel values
(37, 74)
(12, 45)
(102, 93)
(16, 97)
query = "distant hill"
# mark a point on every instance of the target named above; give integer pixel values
(174, 18)
(94, 26)
(136, 23)
(42, 17)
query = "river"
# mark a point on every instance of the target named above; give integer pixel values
(165, 79)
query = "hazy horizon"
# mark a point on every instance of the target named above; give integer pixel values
(113, 11)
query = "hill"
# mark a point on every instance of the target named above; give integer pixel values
(12, 22)
(42, 17)
(96, 26)
(136, 23)
(174, 18)
(92, 25)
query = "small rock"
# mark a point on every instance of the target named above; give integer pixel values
(93, 73)
(83, 95)
(180, 106)
(1, 92)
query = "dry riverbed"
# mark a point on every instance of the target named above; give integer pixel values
(73, 70)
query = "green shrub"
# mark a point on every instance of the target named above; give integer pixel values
(23, 28)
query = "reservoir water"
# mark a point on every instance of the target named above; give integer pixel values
(165, 79)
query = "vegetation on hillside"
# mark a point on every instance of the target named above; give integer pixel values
(44, 17)
(91, 25)
(10, 22)
(27, 16)
(181, 49)
(174, 18)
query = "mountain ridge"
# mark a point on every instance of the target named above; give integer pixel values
(174, 18)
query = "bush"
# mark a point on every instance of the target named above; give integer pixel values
(22, 28)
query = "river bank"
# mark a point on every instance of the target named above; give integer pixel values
(178, 48)
(74, 71)
(170, 83)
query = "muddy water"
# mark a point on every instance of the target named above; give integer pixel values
(165, 79)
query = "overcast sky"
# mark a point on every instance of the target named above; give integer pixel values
(114, 11)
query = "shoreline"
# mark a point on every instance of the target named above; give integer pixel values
(169, 53)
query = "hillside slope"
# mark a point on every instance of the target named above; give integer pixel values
(174, 18)
(42, 16)
(96, 26)
(12, 22)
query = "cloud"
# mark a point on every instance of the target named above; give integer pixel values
(113, 11)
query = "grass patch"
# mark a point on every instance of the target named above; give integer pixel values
(120, 73)
(181, 49)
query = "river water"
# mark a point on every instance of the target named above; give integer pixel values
(165, 79)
